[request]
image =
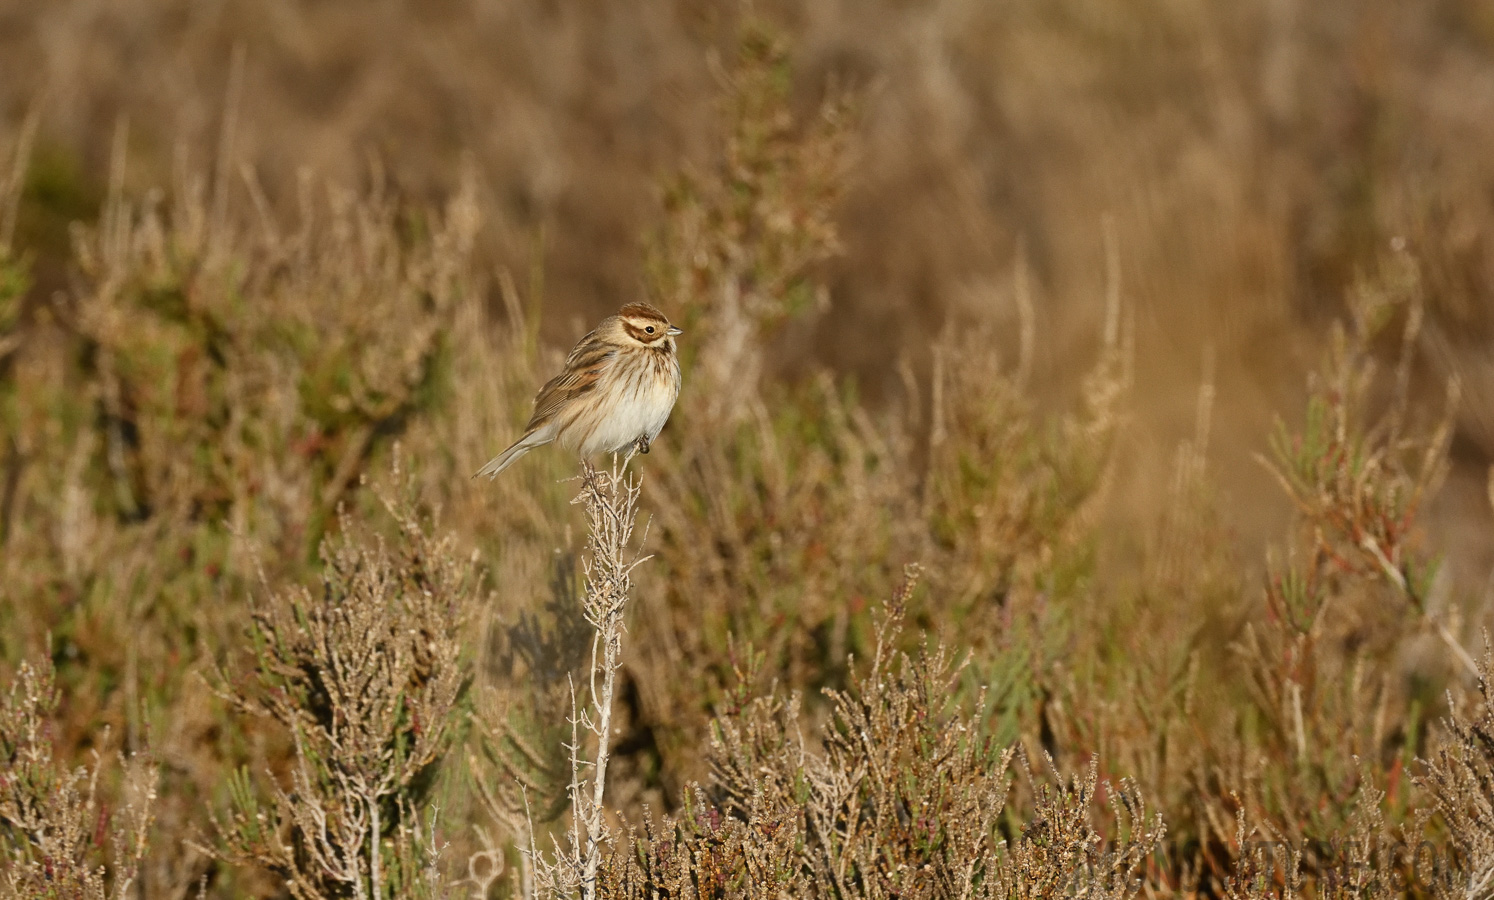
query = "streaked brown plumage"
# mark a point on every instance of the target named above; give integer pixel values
(617, 389)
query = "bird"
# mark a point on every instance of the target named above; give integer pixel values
(617, 390)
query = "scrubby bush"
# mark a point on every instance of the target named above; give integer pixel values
(59, 833)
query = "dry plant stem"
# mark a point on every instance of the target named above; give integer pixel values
(611, 502)
(1372, 547)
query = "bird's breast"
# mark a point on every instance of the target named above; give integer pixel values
(634, 400)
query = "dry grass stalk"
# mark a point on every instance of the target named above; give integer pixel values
(610, 500)
(611, 504)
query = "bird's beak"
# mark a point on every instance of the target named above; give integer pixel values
(674, 331)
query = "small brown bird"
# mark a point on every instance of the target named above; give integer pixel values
(618, 388)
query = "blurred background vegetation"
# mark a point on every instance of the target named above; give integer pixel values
(1025, 292)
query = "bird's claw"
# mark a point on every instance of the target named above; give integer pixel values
(643, 444)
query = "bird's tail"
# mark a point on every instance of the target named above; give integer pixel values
(506, 458)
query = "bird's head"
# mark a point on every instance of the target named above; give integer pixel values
(642, 324)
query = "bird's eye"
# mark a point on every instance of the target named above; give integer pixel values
(649, 329)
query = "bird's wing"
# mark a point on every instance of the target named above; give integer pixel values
(583, 371)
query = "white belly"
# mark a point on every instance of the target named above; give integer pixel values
(634, 412)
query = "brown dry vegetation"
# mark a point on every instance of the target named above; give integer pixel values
(966, 576)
